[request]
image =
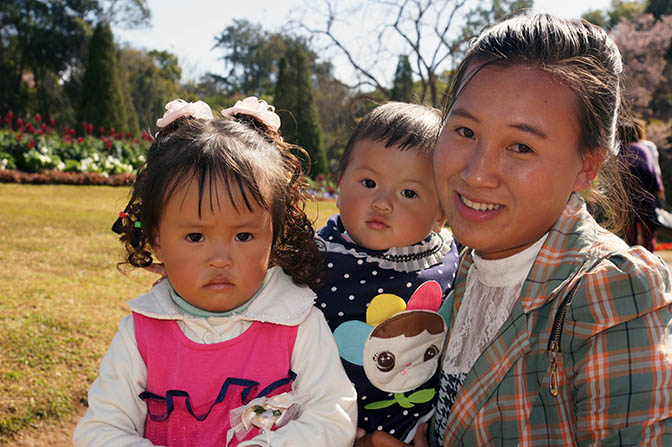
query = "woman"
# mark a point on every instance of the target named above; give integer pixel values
(560, 332)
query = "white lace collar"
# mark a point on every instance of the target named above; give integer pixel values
(506, 271)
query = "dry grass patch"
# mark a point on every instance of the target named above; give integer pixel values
(62, 295)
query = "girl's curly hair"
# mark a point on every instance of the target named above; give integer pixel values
(254, 163)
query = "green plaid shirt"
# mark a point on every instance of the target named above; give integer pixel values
(615, 366)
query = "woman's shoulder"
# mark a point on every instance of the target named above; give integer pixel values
(625, 283)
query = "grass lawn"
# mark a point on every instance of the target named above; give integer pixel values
(61, 295)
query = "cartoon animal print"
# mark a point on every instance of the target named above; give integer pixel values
(399, 345)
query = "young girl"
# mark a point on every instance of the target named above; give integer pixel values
(229, 350)
(559, 330)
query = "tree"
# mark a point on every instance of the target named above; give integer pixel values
(294, 102)
(41, 38)
(102, 100)
(429, 29)
(153, 80)
(402, 87)
(643, 43)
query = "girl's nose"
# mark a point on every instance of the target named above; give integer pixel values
(480, 169)
(219, 258)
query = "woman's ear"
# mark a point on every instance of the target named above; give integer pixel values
(590, 167)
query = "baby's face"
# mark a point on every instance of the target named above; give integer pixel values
(387, 197)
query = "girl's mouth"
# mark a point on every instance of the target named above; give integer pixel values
(478, 206)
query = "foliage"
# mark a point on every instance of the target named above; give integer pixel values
(34, 148)
(434, 32)
(296, 106)
(102, 97)
(619, 11)
(153, 79)
(402, 87)
(643, 43)
(39, 41)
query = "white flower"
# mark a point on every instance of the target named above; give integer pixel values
(60, 166)
(178, 108)
(258, 108)
(4, 163)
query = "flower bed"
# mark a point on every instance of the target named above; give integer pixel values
(36, 147)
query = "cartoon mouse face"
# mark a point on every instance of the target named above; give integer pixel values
(402, 353)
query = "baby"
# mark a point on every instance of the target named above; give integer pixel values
(390, 263)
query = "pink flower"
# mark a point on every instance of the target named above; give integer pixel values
(38, 117)
(178, 108)
(257, 108)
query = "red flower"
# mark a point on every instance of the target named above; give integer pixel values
(9, 117)
(52, 122)
(44, 126)
(38, 117)
(19, 122)
(84, 125)
(31, 144)
(90, 128)
(80, 140)
(128, 135)
(102, 130)
(18, 137)
(108, 144)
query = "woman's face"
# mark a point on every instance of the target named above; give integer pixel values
(508, 158)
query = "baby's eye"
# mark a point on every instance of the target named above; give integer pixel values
(521, 148)
(384, 361)
(409, 193)
(465, 132)
(195, 237)
(368, 183)
(431, 352)
(244, 237)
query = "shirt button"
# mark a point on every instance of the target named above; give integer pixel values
(208, 338)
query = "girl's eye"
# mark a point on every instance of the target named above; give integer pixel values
(465, 132)
(195, 237)
(521, 148)
(409, 193)
(368, 183)
(243, 237)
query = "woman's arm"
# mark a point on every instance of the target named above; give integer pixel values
(116, 415)
(623, 382)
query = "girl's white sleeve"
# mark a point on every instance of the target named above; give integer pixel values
(329, 407)
(116, 415)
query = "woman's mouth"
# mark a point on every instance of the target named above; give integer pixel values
(479, 206)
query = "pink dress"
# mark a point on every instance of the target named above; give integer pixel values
(192, 387)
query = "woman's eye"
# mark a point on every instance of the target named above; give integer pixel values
(465, 132)
(368, 183)
(195, 237)
(521, 148)
(243, 237)
(409, 193)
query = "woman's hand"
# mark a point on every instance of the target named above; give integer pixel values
(382, 439)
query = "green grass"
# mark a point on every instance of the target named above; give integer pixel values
(61, 295)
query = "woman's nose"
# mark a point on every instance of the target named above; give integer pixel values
(480, 169)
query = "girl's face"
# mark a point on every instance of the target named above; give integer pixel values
(508, 158)
(218, 260)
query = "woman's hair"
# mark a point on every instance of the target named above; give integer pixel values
(254, 164)
(579, 55)
(408, 126)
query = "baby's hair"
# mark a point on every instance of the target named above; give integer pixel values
(254, 163)
(579, 55)
(407, 126)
